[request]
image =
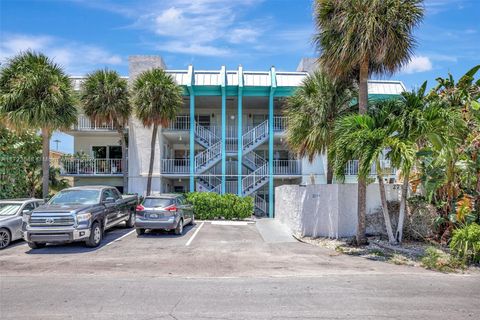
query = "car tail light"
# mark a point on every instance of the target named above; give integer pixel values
(140, 208)
(171, 208)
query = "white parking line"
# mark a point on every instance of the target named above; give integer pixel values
(194, 234)
(125, 235)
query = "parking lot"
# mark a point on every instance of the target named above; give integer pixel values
(217, 270)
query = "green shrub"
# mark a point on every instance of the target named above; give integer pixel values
(436, 259)
(209, 206)
(465, 243)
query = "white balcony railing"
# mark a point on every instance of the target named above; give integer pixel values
(279, 123)
(175, 166)
(181, 123)
(90, 166)
(351, 169)
(231, 187)
(85, 124)
(287, 167)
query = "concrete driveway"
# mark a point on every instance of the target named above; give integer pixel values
(221, 271)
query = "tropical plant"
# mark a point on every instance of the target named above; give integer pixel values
(311, 113)
(36, 93)
(210, 205)
(105, 98)
(358, 37)
(465, 243)
(156, 99)
(366, 137)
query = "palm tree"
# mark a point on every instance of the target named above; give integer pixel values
(156, 99)
(105, 98)
(366, 137)
(311, 113)
(359, 37)
(36, 93)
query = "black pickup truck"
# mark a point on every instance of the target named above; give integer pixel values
(78, 214)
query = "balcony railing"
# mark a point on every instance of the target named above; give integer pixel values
(279, 123)
(90, 166)
(351, 169)
(175, 166)
(85, 124)
(181, 123)
(231, 187)
(287, 167)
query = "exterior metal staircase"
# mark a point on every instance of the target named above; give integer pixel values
(260, 205)
(255, 180)
(205, 137)
(208, 157)
(255, 137)
(209, 183)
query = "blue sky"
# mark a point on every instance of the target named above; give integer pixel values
(83, 35)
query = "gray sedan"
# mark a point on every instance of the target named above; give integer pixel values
(11, 218)
(163, 211)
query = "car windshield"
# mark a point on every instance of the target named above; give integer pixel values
(72, 197)
(9, 209)
(157, 202)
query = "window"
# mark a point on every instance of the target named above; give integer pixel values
(115, 152)
(179, 189)
(203, 120)
(29, 206)
(109, 193)
(99, 152)
(107, 152)
(258, 119)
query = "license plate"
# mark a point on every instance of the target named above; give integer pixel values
(154, 216)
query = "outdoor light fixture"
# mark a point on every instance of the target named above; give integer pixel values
(213, 115)
(180, 138)
(249, 115)
(232, 117)
(180, 180)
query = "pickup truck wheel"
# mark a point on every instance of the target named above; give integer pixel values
(36, 245)
(5, 238)
(140, 231)
(130, 223)
(95, 236)
(179, 227)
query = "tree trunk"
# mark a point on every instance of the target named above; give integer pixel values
(152, 158)
(403, 207)
(362, 185)
(45, 161)
(386, 214)
(123, 143)
(329, 174)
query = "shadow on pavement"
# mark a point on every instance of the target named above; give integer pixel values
(167, 234)
(80, 247)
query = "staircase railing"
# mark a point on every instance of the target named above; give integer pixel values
(260, 203)
(206, 156)
(255, 134)
(205, 134)
(254, 159)
(250, 181)
(211, 182)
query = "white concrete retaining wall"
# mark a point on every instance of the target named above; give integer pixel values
(324, 210)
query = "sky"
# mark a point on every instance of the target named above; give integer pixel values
(84, 35)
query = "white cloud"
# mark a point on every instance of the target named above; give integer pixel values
(192, 48)
(77, 58)
(418, 64)
(241, 35)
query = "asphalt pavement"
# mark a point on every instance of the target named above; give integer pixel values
(221, 271)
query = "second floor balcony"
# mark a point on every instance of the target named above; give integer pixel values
(85, 124)
(90, 167)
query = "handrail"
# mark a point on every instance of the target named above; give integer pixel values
(180, 123)
(207, 155)
(254, 177)
(85, 124)
(251, 136)
(279, 123)
(260, 203)
(254, 159)
(205, 134)
(352, 168)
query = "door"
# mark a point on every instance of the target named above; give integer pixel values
(111, 208)
(123, 208)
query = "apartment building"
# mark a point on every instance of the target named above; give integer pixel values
(229, 137)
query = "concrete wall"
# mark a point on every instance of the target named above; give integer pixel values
(323, 210)
(85, 143)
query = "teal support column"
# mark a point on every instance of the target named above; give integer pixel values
(192, 128)
(240, 132)
(270, 143)
(223, 75)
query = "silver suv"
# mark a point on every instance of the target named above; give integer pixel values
(163, 211)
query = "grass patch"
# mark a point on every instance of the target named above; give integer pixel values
(436, 259)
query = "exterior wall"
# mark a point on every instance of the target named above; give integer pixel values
(315, 170)
(109, 181)
(85, 143)
(326, 210)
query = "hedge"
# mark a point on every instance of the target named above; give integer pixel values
(209, 206)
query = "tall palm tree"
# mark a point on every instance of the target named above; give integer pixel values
(105, 98)
(358, 37)
(311, 113)
(36, 93)
(156, 99)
